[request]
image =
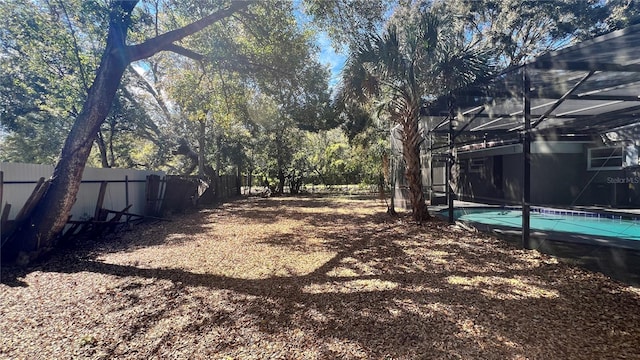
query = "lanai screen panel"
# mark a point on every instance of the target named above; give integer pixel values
(589, 88)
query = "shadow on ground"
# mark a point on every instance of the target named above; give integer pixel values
(390, 290)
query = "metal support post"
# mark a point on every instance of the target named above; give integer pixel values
(526, 159)
(451, 159)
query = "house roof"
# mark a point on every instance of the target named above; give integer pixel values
(590, 88)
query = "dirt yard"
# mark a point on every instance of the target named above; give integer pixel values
(312, 278)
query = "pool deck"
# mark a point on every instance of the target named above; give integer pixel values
(463, 204)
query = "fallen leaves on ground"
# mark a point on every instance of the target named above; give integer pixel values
(311, 278)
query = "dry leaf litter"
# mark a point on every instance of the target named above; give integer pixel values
(311, 278)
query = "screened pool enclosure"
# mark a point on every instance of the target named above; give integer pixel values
(561, 131)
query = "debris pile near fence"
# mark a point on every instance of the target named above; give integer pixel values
(105, 221)
(8, 228)
(108, 200)
(185, 192)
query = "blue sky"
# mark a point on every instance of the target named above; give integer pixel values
(329, 57)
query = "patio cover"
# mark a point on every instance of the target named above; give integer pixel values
(590, 88)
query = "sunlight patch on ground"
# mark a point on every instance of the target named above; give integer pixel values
(424, 289)
(502, 288)
(350, 266)
(175, 237)
(257, 262)
(437, 257)
(470, 328)
(348, 287)
(277, 249)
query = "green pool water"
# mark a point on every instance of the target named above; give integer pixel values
(575, 223)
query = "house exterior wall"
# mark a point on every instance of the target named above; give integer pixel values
(512, 178)
(559, 176)
(616, 188)
(479, 179)
(556, 178)
(633, 185)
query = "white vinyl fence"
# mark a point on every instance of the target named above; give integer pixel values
(124, 187)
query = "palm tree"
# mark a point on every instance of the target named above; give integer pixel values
(403, 69)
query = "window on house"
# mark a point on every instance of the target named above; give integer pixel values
(476, 165)
(605, 158)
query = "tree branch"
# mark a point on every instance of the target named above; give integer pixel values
(160, 43)
(76, 48)
(242, 60)
(151, 90)
(183, 51)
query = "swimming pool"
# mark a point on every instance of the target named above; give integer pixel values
(582, 223)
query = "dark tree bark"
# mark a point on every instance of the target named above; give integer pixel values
(280, 164)
(215, 181)
(281, 180)
(202, 128)
(102, 147)
(411, 154)
(185, 150)
(53, 211)
(239, 179)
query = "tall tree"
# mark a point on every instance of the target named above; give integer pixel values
(273, 57)
(51, 215)
(46, 66)
(404, 68)
(517, 30)
(348, 22)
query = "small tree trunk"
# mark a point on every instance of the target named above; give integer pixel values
(393, 173)
(102, 147)
(201, 145)
(281, 180)
(112, 133)
(216, 177)
(239, 179)
(280, 162)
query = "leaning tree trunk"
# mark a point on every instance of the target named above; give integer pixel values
(411, 154)
(51, 215)
(53, 210)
